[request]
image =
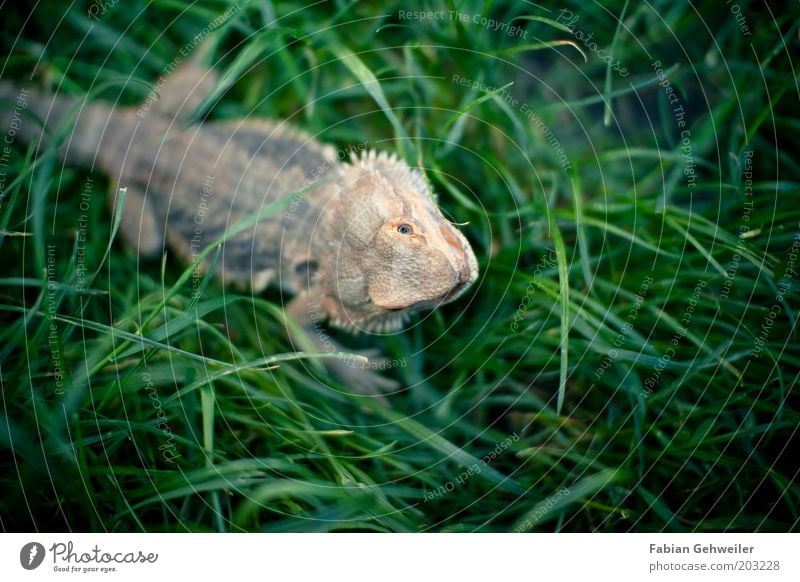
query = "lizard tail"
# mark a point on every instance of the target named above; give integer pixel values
(78, 127)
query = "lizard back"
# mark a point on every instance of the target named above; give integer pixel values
(204, 179)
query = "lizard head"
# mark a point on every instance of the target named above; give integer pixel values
(395, 252)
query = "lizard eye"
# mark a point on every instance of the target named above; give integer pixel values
(404, 228)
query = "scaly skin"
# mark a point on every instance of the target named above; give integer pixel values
(364, 246)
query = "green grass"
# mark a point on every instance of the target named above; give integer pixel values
(567, 366)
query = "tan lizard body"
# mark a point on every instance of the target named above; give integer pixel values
(366, 244)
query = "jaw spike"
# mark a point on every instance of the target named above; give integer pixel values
(386, 323)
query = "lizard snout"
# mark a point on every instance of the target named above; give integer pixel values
(462, 261)
(462, 281)
(463, 273)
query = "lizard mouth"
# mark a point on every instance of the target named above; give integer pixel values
(464, 278)
(390, 306)
(463, 281)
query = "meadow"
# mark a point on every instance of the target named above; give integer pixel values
(627, 360)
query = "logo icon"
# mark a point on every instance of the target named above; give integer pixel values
(31, 555)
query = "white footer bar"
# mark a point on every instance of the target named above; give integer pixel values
(374, 557)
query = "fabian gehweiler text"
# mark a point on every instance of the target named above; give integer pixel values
(700, 549)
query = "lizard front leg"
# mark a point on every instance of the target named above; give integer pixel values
(365, 380)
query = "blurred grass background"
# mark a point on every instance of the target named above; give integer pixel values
(171, 415)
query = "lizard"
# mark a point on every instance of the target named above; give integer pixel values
(363, 242)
